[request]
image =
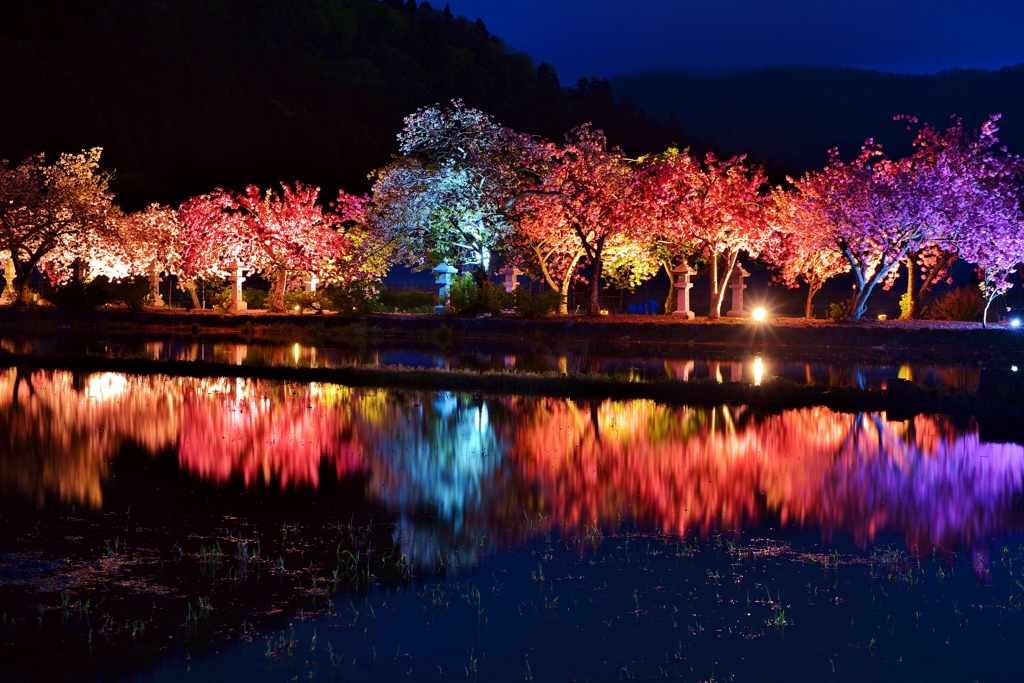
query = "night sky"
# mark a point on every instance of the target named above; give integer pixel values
(616, 37)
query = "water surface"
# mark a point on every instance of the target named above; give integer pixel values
(153, 525)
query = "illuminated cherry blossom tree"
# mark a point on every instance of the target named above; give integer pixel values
(806, 252)
(595, 190)
(543, 244)
(269, 232)
(713, 210)
(448, 194)
(52, 215)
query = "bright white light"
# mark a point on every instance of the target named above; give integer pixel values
(1015, 322)
(758, 368)
(1013, 368)
(759, 314)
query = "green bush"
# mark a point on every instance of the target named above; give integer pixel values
(464, 294)
(965, 304)
(492, 299)
(536, 305)
(132, 293)
(356, 296)
(408, 302)
(256, 299)
(840, 311)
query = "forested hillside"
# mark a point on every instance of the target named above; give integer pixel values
(184, 96)
(793, 115)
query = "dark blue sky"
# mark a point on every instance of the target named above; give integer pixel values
(614, 37)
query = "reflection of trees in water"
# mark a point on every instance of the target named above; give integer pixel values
(727, 468)
(440, 455)
(266, 431)
(471, 472)
(61, 430)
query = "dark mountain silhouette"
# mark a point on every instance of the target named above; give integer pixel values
(793, 115)
(188, 95)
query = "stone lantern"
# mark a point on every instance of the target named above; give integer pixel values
(9, 295)
(683, 287)
(309, 282)
(511, 273)
(737, 287)
(445, 273)
(156, 301)
(236, 280)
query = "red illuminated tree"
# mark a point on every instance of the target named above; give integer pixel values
(544, 244)
(595, 192)
(714, 211)
(806, 252)
(279, 234)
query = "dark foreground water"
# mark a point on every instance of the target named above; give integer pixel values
(164, 529)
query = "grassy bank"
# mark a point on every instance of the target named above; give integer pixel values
(890, 338)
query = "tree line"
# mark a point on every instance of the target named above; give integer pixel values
(465, 189)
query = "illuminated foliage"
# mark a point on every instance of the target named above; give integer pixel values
(52, 215)
(712, 210)
(447, 196)
(281, 235)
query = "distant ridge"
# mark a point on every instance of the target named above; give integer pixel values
(793, 114)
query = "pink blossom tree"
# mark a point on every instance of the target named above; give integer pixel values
(53, 215)
(714, 211)
(806, 253)
(273, 233)
(595, 190)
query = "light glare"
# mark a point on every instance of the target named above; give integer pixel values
(759, 314)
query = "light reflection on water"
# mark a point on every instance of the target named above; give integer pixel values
(480, 463)
(674, 363)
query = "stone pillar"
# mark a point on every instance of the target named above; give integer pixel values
(309, 282)
(156, 301)
(737, 287)
(9, 295)
(444, 273)
(511, 274)
(236, 280)
(683, 286)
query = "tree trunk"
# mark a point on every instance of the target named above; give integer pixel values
(190, 287)
(984, 314)
(808, 305)
(596, 266)
(718, 288)
(715, 304)
(280, 282)
(670, 301)
(910, 309)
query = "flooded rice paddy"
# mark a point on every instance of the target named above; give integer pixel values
(723, 364)
(158, 528)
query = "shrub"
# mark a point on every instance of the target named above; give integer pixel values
(536, 305)
(318, 300)
(840, 311)
(356, 296)
(464, 294)
(78, 295)
(256, 299)
(963, 303)
(408, 302)
(132, 293)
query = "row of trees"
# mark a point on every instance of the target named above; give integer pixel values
(464, 188)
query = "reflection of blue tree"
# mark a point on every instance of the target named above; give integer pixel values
(443, 457)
